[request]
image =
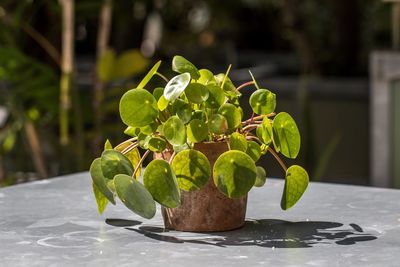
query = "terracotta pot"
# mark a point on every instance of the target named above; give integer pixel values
(207, 209)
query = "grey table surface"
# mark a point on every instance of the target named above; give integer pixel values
(55, 223)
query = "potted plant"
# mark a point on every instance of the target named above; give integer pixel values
(205, 154)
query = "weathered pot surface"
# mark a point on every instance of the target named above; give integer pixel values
(207, 209)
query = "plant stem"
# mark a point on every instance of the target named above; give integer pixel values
(250, 127)
(140, 163)
(280, 161)
(130, 147)
(260, 117)
(226, 75)
(252, 137)
(162, 76)
(172, 157)
(244, 85)
(126, 141)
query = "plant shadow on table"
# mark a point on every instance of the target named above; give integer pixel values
(263, 233)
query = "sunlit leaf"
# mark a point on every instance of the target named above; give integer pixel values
(176, 86)
(138, 108)
(107, 145)
(206, 77)
(192, 169)
(181, 65)
(216, 96)
(100, 181)
(286, 135)
(175, 131)
(101, 200)
(114, 162)
(133, 155)
(237, 142)
(197, 131)
(149, 75)
(135, 196)
(161, 182)
(264, 131)
(263, 102)
(232, 114)
(162, 103)
(157, 144)
(234, 173)
(296, 183)
(183, 110)
(253, 150)
(196, 93)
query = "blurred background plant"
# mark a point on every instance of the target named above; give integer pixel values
(64, 65)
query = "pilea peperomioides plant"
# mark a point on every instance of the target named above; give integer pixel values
(195, 106)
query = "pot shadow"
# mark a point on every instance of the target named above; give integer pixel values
(263, 233)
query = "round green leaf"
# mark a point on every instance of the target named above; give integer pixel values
(135, 196)
(264, 131)
(253, 150)
(114, 162)
(232, 114)
(176, 86)
(132, 131)
(181, 65)
(138, 108)
(261, 177)
(183, 110)
(101, 200)
(143, 140)
(107, 145)
(133, 156)
(199, 115)
(175, 131)
(217, 124)
(161, 182)
(149, 129)
(286, 135)
(157, 144)
(192, 169)
(234, 173)
(100, 181)
(216, 96)
(228, 85)
(263, 101)
(196, 93)
(197, 131)
(206, 77)
(296, 183)
(237, 142)
(162, 103)
(149, 75)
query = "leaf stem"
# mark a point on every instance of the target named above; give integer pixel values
(250, 127)
(130, 147)
(140, 163)
(226, 75)
(162, 76)
(280, 161)
(172, 158)
(126, 141)
(245, 84)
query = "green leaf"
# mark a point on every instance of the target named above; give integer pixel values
(253, 150)
(296, 183)
(228, 85)
(133, 156)
(206, 77)
(129, 63)
(234, 173)
(161, 182)
(216, 96)
(264, 131)
(135, 196)
(263, 102)
(114, 162)
(162, 103)
(286, 135)
(132, 131)
(143, 140)
(149, 129)
(157, 144)
(183, 110)
(181, 65)
(237, 142)
(107, 145)
(149, 75)
(199, 115)
(232, 114)
(175, 131)
(100, 181)
(217, 124)
(176, 86)
(105, 65)
(196, 93)
(261, 177)
(138, 108)
(197, 131)
(101, 200)
(192, 169)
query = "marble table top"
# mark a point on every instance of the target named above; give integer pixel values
(55, 223)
